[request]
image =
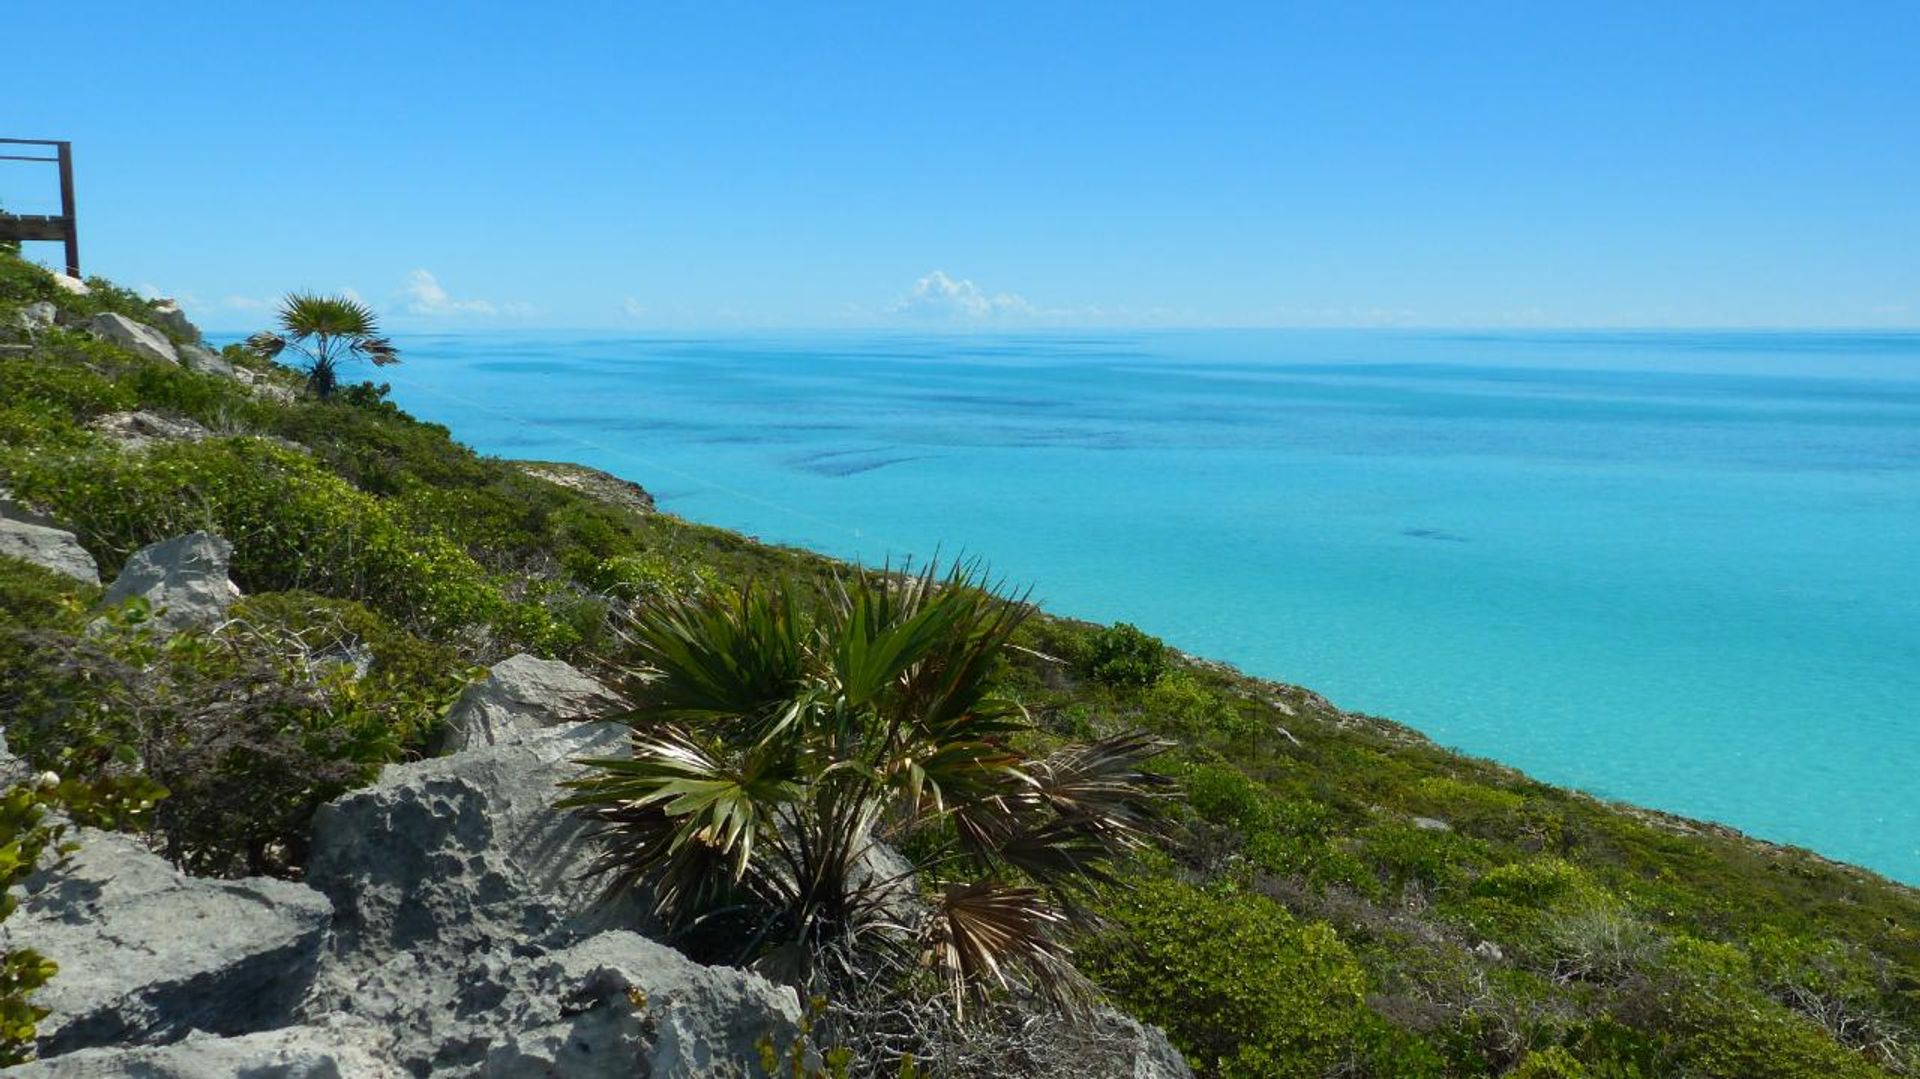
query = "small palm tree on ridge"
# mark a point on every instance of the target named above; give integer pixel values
(328, 331)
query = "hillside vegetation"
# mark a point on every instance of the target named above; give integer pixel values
(1335, 896)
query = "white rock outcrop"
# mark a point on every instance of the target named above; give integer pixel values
(174, 321)
(330, 1049)
(138, 430)
(38, 317)
(184, 581)
(148, 954)
(136, 337)
(52, 548)
(522, 694)
(207, 362)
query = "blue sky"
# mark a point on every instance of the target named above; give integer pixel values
(981, 165)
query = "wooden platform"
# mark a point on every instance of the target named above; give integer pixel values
(33, 227)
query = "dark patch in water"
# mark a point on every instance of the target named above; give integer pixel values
(1434, 534)
(851, 466)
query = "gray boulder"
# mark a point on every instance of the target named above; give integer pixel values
(523, 694)
(207, 362)
(466, 930)
(174, 321)
(613, 1005)
(1121, 1047)
(71, 285)
(136, 431)
(136, 337)
(52, 548)
(147, 954)
(619, 999)
(334, 1048)
(37, 317)
(184, 579)
(462, 853)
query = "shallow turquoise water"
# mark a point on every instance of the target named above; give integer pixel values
(1681, 570)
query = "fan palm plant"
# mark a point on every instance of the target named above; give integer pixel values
(784, 737)
(328, 331)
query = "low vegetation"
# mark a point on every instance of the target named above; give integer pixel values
(1332, 895)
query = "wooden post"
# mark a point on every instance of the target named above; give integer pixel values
(66, 210)
(66, 227)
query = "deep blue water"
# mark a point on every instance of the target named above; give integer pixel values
(1678, 569)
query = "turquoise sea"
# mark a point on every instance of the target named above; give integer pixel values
(1678, 569)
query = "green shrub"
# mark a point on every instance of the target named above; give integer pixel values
(1459, 801)
(237, 737)
(1222, 794)
(1550, 1063)
(1381, 1050)
(1537, 884)
(1243, 990)
(1177, 702)
(68, 385)
(1403, 855)
(1725, 1033)
(26, 836)
(34, 596)
(292, 525)
(1122, 655)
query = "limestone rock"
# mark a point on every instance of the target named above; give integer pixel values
(604, 486)
(277, 392)
(465, 929)
(136, 337)
(147, 955)
(138, 430)
(207, 362)
(174, 321)
(184, 579)
(613, 1005)
(52, 548)
(1124, 1048)
(461, 853)
(71, 284)
(334, 1048)
(1431, 824)
(37, 317)
(522, 694)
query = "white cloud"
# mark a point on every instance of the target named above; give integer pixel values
(633, 308)
(937, 296)
(245, 303)
(425, 296)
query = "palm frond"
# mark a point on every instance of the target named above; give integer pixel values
(675, 804)
(266, 344)
(737, 662)
(986, 935)
(308, 314)
(378, 349)
(1103, 789)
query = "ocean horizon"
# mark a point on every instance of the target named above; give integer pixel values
(1673, 568)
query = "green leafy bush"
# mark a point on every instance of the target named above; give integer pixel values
(1244, 990)
(1122, 655)
(26, 836)
(1536, 884)
(1222, 794)
(1176, 702)
(237, 738)
(292, 524)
